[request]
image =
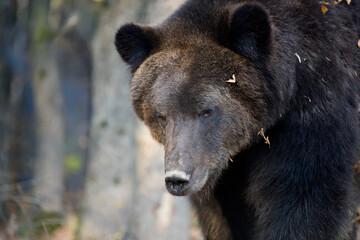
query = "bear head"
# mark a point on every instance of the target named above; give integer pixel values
(198, 84)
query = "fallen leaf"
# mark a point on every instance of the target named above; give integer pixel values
(324, 3)
(261, 133)
(299, 58)
(324, 9)
(359, 43)
(348, 2)
(233, 80)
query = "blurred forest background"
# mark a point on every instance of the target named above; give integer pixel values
(75, 163)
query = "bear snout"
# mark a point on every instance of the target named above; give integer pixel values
(177, 182)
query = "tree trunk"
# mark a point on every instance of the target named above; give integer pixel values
(48, 188)
(49, 165)
(125, 196)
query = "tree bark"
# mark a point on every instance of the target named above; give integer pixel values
(125, 195)
(48, 187)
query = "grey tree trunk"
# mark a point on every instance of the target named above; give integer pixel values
(125, 196)
(48, 187)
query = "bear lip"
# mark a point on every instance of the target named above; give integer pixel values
(177, 189)
(179, 183)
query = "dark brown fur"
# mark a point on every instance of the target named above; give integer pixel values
(296, 76)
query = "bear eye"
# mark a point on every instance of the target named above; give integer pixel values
(161, 117)
(207, 113)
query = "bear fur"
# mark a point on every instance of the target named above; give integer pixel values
(257, 106)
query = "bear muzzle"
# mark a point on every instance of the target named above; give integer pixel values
(177, 182)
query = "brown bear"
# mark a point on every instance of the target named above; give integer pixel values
(257, 106)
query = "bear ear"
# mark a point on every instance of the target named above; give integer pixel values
(135, 43)
(249, 30)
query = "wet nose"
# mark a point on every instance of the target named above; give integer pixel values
(177, 182)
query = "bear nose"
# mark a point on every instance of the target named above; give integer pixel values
(177, 182)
